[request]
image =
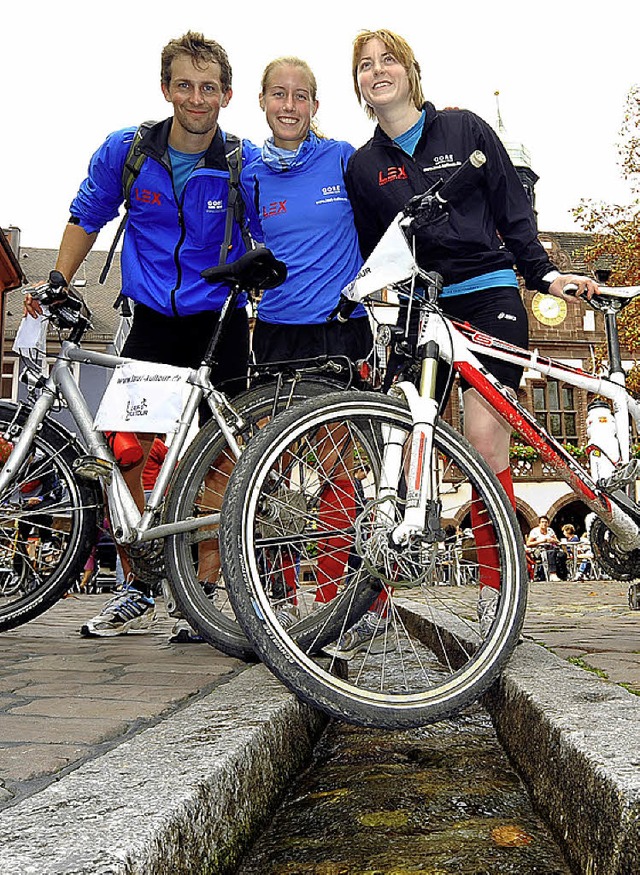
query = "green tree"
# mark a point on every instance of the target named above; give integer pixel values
(616, 230)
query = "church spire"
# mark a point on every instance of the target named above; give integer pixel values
(519, 155)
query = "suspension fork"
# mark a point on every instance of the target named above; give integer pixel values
(421, 516)
(22, 446)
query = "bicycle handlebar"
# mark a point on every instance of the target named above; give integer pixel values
(64, 307)
(446, 192)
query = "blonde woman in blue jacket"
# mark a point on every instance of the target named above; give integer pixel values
(297, 204)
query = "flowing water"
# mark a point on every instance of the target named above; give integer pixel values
(440, 800)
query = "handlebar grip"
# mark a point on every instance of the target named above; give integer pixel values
(465, 173)
(570, 289)
(346, 310)
(343, 310)
(57, 280)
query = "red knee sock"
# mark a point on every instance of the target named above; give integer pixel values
(506, 481)
(484, 534)
(337, 511)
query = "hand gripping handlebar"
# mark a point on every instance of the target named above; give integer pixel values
(64, 307)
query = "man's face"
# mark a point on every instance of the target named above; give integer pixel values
(196, 94)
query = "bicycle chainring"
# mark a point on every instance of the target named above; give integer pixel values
(147, 561)
(616, 563)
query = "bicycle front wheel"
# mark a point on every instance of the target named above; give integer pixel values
(48, 522)
(197, 490)
(293, 521)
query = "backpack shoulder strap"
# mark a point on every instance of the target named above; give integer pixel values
(133, 162)
(130, 172)
(235, 204)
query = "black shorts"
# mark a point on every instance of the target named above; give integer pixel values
(500, 313)
(182, 341)
(284, 343)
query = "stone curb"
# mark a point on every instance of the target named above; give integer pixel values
(184, 796)
(575, 740)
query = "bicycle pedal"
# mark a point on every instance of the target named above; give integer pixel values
(622, 476)
(93, 468)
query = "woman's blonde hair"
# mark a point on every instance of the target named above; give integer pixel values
(292, 61)
(401, 51)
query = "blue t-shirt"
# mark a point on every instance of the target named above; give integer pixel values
(303, 215)
(409, 140)
(182, 165)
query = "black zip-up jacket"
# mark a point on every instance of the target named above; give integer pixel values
(492, 227)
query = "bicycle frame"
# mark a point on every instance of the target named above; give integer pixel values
(458, 344)
(129, 525)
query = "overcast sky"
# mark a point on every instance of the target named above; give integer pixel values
(73, 71)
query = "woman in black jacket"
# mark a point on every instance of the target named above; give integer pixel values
(488, 234)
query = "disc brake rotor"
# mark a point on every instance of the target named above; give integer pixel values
(399, 566)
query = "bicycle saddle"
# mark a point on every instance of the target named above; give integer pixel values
(256, 269)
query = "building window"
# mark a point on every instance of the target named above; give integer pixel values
(9, 379)
(554, 406)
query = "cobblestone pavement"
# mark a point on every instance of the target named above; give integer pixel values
(65, 699)
(588, 621)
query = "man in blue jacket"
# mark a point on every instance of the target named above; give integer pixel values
(175, 229)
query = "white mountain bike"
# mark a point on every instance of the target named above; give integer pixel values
(182, 511)
(421, 655)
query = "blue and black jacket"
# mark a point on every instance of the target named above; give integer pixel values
(168, 241)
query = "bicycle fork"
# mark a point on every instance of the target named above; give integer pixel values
(422, 509)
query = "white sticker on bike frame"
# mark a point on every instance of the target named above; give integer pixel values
(143, 397)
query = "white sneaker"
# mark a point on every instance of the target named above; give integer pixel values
(371, 633)
(128, 611)
(184, 633)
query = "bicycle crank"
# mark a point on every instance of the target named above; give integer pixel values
(147, 561)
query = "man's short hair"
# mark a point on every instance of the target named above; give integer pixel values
(201, 51)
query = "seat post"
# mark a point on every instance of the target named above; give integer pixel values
(226, 313)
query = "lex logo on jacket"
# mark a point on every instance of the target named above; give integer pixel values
(273, 209)
(393, 174)
(146, 196)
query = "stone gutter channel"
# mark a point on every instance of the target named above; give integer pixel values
(189, 794)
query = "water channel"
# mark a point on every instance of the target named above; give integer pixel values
(440, 800)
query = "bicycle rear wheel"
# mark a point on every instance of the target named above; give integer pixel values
(197, 490)
(48, 522)
(417, 655)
